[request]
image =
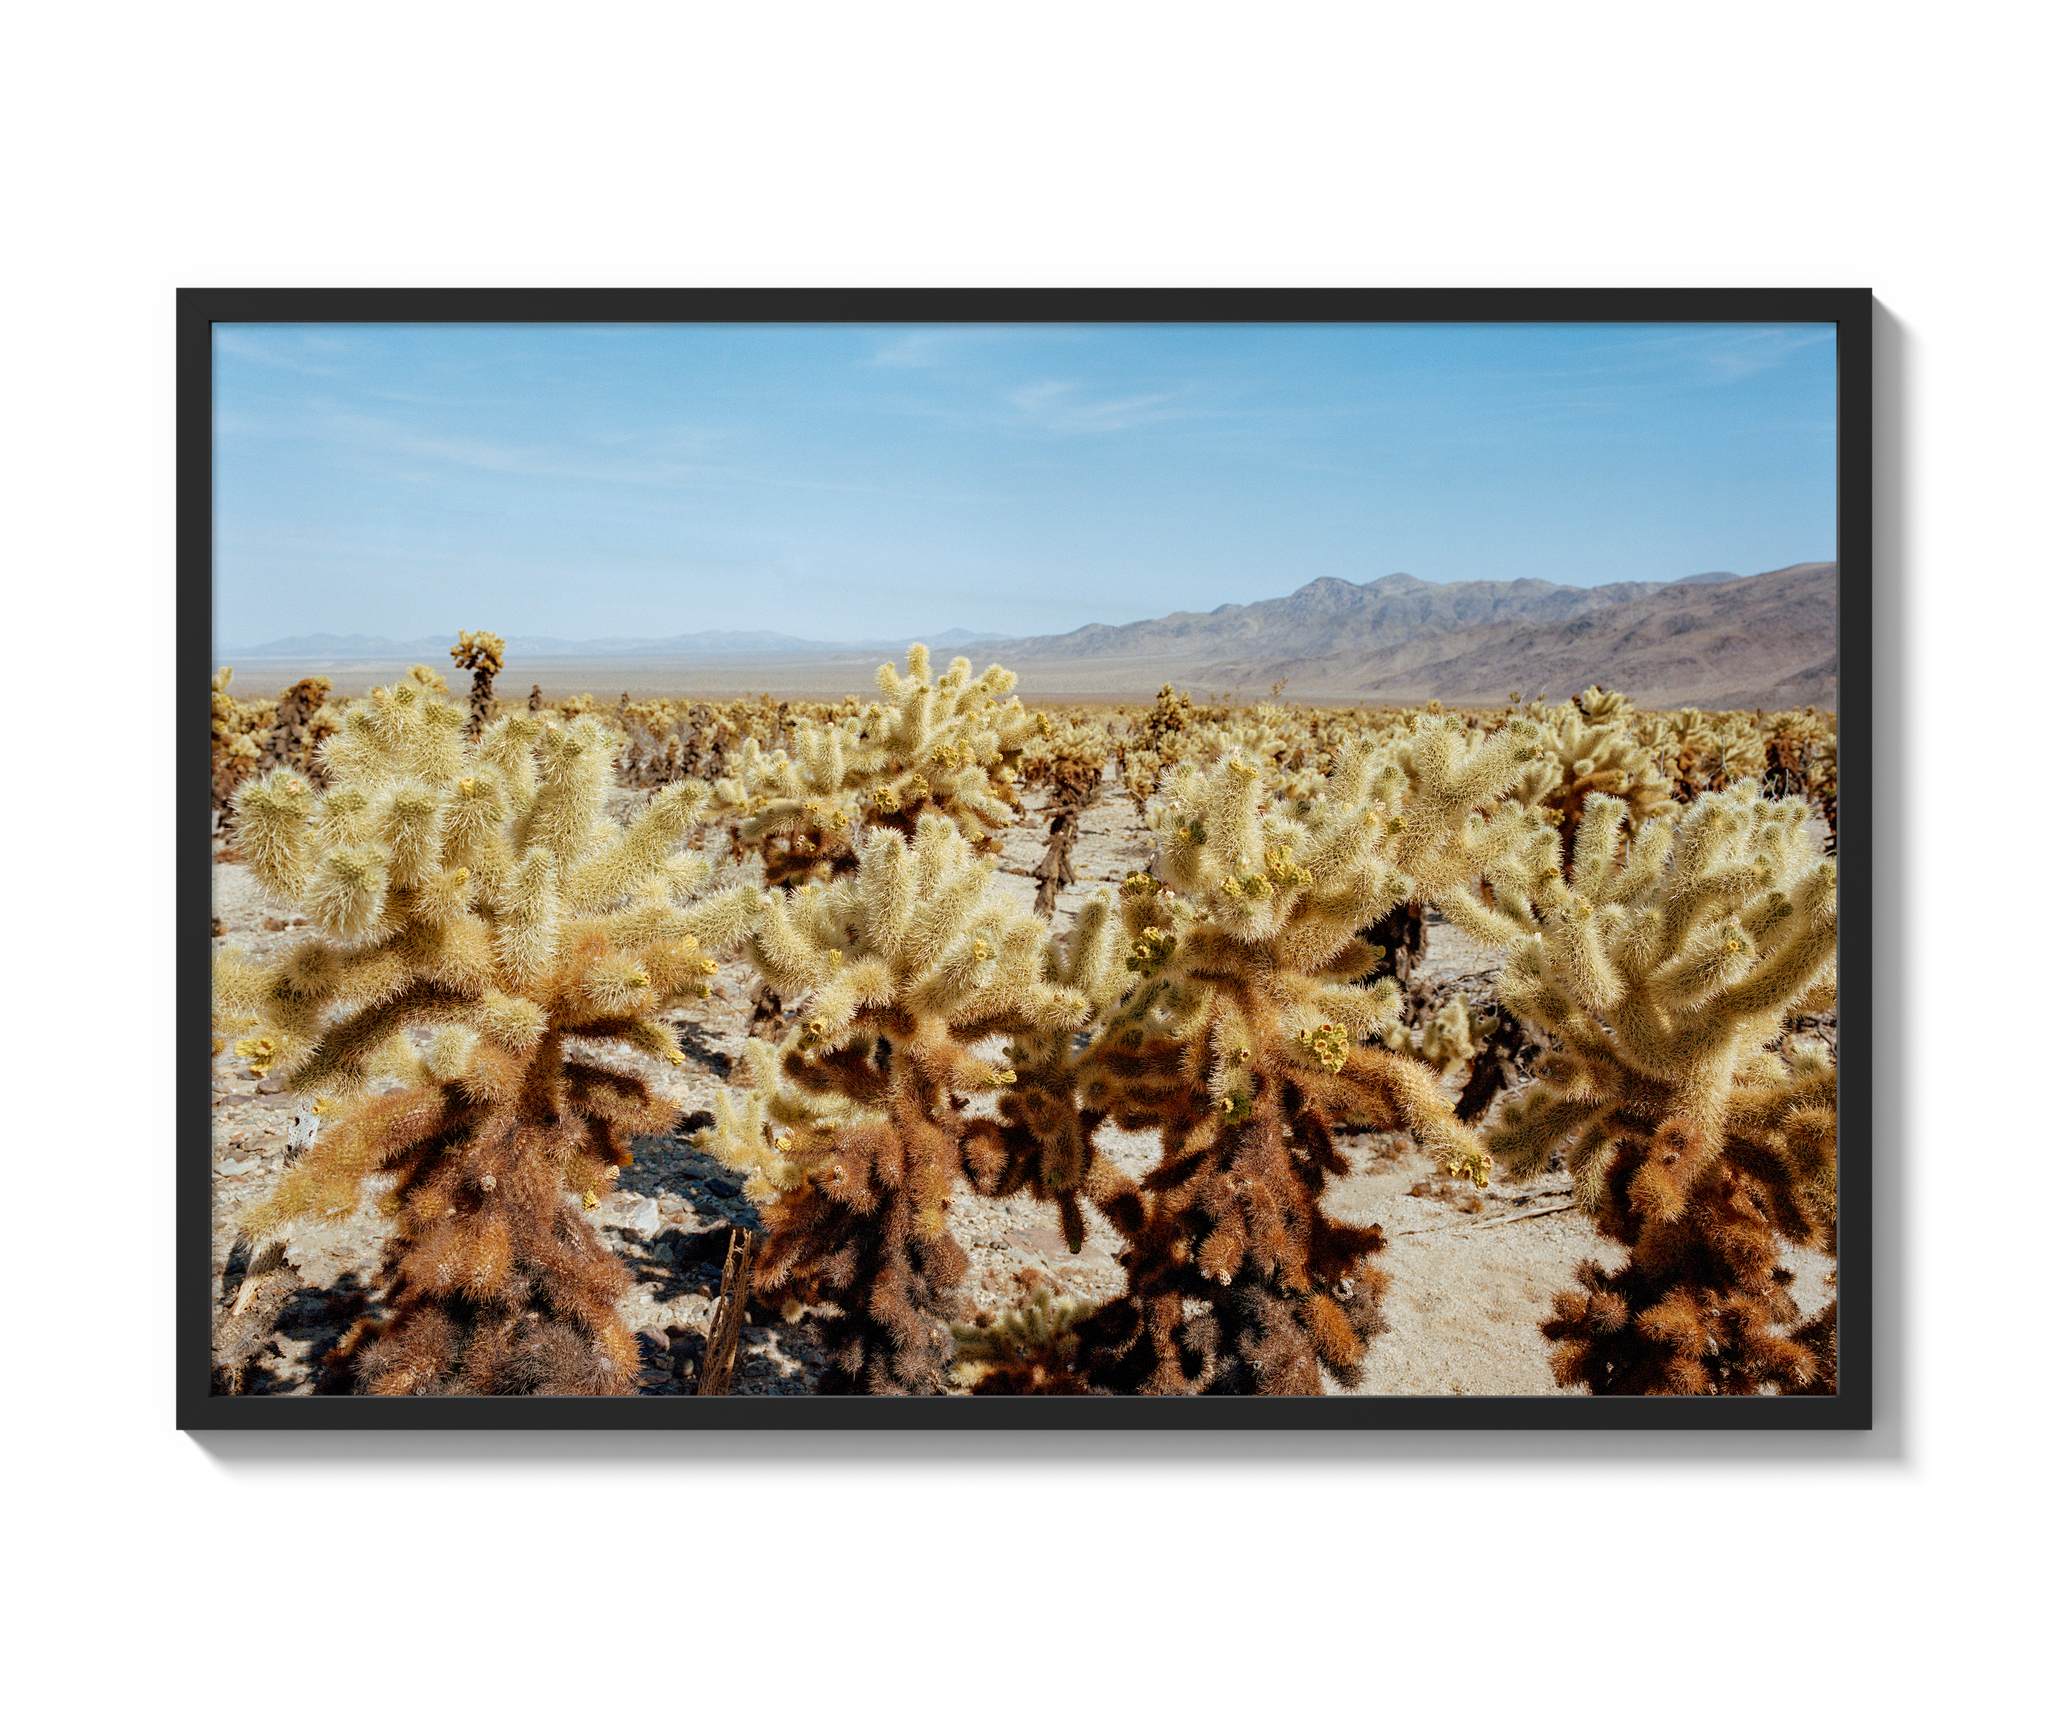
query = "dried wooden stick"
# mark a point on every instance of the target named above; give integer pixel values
(721, 1346)
(1487, 1223)
(1522, 1216)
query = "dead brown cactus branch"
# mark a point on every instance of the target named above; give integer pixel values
(722, 1345)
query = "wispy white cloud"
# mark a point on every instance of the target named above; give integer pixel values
(1064, 408)
(919, 351)
(1727, 353)
(675, 458)
(1756, 350)
(269, 351)
(673, 455)
(938, 348)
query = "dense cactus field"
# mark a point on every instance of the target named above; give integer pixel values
(941, 1042)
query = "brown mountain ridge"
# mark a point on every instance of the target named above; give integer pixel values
(1720, 644)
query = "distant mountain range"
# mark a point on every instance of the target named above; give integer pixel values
(1768, 640)
(1329, 616)
(1718, 640)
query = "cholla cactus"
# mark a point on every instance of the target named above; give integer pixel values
(1707, 752)
(483, 654)
(1043, 1138)
(1457, 1025)
(1447, 1040)
(1156, 740)
(484, 933)
(1660, 974)
(944, 746)
(1799, 760)
(1441, 791)
(236, 755)
(1028, 1350)
(303, 720)
(1581, 755)
(1062, 753)
(1138, 769)
(775, 1128)
(234, 762)
(908, 966)
(1826, 781)
(1238, 1037)
(1171, 713)
(1602, 707)
(1680, 740)
(1267, 734)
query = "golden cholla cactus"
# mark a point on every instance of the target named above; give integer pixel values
(1138, 767)
(1237, 1034)
(775, 1133)
(476, 651)
(944, 745)
(907, 966)
(1661, 973)
(1042, 1140)
(484, 932)
(236, 754)
(1171, 714)
(1447, 1040)
(483, 654)
(1062, 753)
(1579, 755)
(1028, 1350)
(1441, 790)
(1266, 734)
(1707, 751)
(1603, 707)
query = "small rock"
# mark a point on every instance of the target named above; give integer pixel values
(271, 1084)
(723, 1188)
(641, 1217)
(273, 924)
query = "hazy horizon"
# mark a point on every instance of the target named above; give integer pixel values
(936, 639)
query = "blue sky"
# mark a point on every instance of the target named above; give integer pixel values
(847, 481)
